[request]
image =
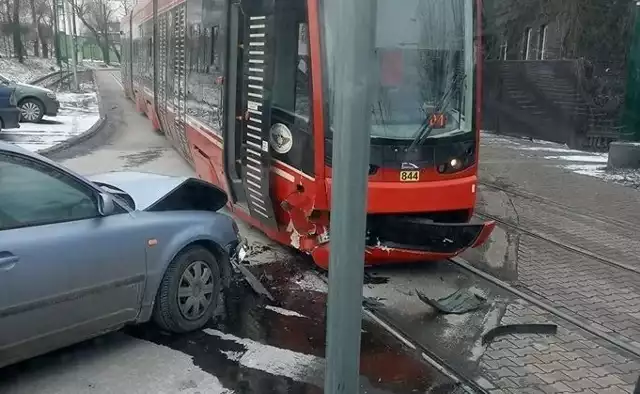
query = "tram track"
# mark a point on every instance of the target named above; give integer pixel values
(564, 245)
(460, 380)
(469, 381)
(540, 302)
(614, 268)
(623, 224)
(619, 342)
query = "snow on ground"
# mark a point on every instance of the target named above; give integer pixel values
(580, 162)
(78, 113)
(115, 363)
(299, 367)
(581, 158)
(32, 68)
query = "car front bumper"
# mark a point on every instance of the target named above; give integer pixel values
(51, 107)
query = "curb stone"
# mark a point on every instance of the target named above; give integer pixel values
(93, 130)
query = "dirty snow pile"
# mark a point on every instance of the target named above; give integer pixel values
(580, 162)
(31, 69)
(78, 113)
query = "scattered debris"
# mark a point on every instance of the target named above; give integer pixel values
(459, 302)
(284, 312)
(253, 281)
(506, 329)
(370, 279)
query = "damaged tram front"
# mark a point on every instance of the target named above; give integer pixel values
(242, 89)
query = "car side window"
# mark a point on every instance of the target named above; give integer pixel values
(33, 194)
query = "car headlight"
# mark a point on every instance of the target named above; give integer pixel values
(51, 95)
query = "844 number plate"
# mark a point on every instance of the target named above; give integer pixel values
(409, 176)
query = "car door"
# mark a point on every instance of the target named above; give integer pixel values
(5, 95)
(66, 272)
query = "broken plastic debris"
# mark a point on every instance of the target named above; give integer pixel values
(532, 328)
(253, 281)
(459, 302)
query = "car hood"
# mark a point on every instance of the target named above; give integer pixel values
(154, 192)
(25, 86)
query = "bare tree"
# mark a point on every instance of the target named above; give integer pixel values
(34, 21)
(125, 6)
(97, 15)
(17, 38)
(44, 22)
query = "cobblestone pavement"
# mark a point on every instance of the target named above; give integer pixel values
(520, 164)
(568, 362)
(593, 215)
(609, 240)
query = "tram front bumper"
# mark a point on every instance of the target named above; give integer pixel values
(406, 240)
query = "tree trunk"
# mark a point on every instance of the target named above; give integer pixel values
(115, 50)
(45, 48)
(34, 21)
(17, 40)
(105, 53)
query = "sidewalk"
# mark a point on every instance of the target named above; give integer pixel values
(593, 219)
(553, 171)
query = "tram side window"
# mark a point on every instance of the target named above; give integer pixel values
(302, 94)
(206, 43)
(136, 59)
(171, 58)
(292, 66)
(147, 54)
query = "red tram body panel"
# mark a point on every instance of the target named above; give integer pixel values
(242, 89)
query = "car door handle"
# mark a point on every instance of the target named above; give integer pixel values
(8, 262)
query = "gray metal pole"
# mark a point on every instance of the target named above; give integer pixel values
(351, 59)
(74, 50)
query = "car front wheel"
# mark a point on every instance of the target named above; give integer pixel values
(31, 110)
(189, 291)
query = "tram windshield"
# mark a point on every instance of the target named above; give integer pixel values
(423, 71)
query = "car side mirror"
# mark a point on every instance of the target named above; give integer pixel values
(106, 206)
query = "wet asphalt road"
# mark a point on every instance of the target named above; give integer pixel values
(250, 347)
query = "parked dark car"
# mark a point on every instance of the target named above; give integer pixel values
(80, 257)
(33, 101)
(9, 112)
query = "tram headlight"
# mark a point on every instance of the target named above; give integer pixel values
(458, 159)
(453, 164)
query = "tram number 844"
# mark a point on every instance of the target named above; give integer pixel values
(409, 176)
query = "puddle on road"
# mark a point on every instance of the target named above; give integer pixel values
(255, 348)
(500, 254)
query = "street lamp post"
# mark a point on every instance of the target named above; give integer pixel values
(353, 55)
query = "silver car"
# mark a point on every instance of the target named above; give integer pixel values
(81, 257)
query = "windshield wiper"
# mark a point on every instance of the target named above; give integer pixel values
(426, 127)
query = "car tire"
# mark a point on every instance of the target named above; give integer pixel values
(31, 110)
(181, 286)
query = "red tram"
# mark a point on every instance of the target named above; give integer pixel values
(242, 88)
